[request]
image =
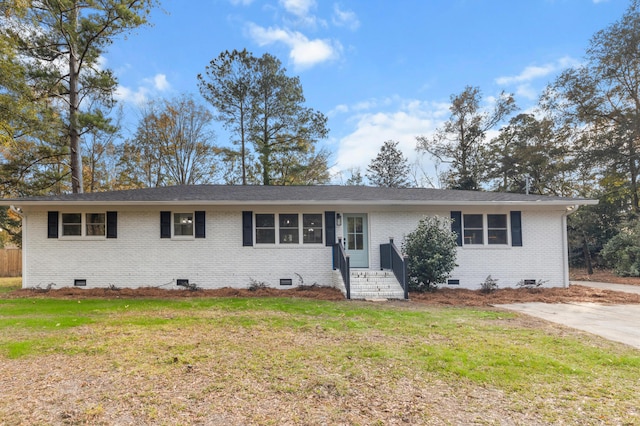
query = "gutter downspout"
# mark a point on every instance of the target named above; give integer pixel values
(565, 244)
(20, 213)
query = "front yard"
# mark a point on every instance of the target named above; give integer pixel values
(279, 361)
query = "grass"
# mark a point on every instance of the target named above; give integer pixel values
(317, 357)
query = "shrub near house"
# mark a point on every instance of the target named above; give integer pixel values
(431, 251)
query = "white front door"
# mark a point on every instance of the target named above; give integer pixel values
(356, 243)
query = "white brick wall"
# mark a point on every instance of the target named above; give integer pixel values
(139, 257)
(540, 258)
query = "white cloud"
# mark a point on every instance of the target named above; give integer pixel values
(101, 62)
(411, 118)
(300, 8)
(137, 97)
(303, 52)
(160, 82)
(342, 108)
(523, 81)
(344, 18)
(150, 87)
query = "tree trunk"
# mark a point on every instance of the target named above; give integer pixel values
(587, 254)
(243, 153)
(74, 103)
(266, 153)
(633, 169)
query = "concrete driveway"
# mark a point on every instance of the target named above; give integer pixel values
(620, 323)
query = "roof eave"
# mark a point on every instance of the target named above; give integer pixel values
(568, 202)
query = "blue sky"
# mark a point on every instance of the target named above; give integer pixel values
(379, 69)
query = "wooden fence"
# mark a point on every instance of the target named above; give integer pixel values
(10, 262)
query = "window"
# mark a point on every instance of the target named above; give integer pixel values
(497, 229)
(355, 233)
(78, 225)
(95, 224)
(87, 225)
(265, 229)
(289, 229)
(487, 229)
(473, 229)
(312, 228)
(183, 224)
(71, 224)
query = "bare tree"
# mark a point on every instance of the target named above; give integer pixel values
(174, 144)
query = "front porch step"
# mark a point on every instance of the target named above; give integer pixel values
(375, 285)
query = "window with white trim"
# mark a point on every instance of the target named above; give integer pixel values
(497, 229)
(289, 233)
(473, 229)
(265, 229)
(96, 224)
(71, 224)
(290, 228)
(312, 228)
(492, 228)
(183, 224)
(83, 225)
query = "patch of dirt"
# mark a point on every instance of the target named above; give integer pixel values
(575, 293)
(306, 292)
(602, 276)
(443, 297)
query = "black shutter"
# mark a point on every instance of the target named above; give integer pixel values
(200, 224)
(52, 224)
(247, 228)
(165, 224)
(456, 226)
(112, 224)
(330, 228)
(516, 229)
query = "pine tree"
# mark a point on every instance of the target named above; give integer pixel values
(61, 43)
(390, 168)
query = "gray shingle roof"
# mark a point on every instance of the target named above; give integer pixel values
(226, 194)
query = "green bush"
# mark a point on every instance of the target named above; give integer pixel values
(431, 250)
(622, 252)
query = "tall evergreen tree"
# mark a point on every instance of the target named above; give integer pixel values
(255, 99)
(390, 168)
(61, 43)
(228, 85)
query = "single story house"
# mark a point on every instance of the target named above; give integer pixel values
(215, 236)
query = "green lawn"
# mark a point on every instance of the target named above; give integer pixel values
(282, 360)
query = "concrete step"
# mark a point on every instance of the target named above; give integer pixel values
(378, 295)
(375, 285)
